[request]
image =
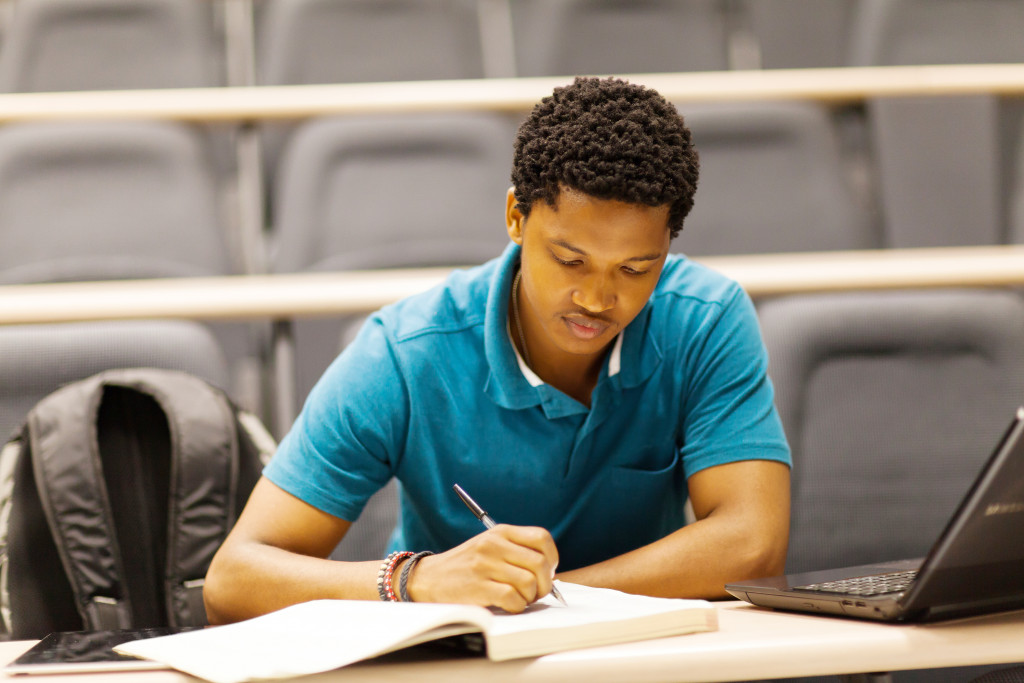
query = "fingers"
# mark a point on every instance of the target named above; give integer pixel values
(521, 562)
(508, 567)
(527, 544)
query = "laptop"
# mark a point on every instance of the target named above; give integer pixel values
(975, 566)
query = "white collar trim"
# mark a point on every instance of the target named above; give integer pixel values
(614, 360)
(531, 377)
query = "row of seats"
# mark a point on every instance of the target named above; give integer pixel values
(146, 200)
(135, 201)
(50, 44)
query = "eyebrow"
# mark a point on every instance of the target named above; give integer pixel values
(577, 250)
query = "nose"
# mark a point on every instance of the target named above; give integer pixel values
(594, 295)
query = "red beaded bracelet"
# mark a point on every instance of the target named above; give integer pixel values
(386, 573)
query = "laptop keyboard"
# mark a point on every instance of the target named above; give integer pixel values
(876, 584)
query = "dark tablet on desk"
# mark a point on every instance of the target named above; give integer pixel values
(85, 651)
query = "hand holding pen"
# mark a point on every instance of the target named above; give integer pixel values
(490, 523)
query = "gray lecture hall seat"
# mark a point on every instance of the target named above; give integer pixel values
(344, 41)
(100, 200)
(63, 45)
(940, 162)
(891, 401)
(56, 45)
(937, 32)
(387, 191)
(35, 360)
(800, 34)
(66, 45)
(772, 179)
(97, 200)
(566, 37)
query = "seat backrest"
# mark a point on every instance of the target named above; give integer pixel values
(342, 41)
(35, 360)
(345, 41)
(939, 159)
(801, 34)
(392, 191)
(82, 201)
(891, 402)
(567, 37)
(772, 179)
(939, 163)
(901, 32)
(58, 45)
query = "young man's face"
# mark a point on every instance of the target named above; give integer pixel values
(589, 265)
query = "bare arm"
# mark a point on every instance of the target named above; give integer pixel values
(275, 556)
(742, 531)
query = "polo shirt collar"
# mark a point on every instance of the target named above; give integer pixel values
(534, 380)
(505, 385)
(512, 384)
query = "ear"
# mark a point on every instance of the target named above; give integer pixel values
(514, 219)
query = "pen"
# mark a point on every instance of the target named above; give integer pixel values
(489, 523)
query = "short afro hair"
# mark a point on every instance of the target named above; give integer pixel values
(609, 139)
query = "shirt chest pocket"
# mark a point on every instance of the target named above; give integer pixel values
(641, 494)
(630, 507)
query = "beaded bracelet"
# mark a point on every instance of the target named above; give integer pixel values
(386, 572)
(403, 581)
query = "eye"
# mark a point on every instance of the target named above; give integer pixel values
(564, 262)
(634, 272)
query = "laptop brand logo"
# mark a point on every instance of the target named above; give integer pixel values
(1003, 508)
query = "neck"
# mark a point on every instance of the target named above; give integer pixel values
(572, 374)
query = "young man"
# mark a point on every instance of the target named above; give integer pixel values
(581, 387)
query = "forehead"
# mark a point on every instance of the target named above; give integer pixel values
(586, 222)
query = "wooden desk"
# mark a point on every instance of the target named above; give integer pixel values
(281, 297)
(751, 643)
(831, 86)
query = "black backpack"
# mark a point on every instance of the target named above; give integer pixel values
(114, 495)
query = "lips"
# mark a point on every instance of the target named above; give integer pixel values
(585, 328)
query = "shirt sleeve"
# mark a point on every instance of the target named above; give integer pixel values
(346, 441)
(729, 413)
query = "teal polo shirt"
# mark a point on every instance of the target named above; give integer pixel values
(432, 392)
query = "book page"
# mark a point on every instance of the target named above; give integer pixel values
(593, 616)
(586, 605)
(307, 638)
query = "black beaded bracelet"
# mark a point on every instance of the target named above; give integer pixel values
(403, 580)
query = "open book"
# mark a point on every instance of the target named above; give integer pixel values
(327, 634)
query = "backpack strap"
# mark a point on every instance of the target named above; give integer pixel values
(9, 455)
(204, 475)
(74, 498)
